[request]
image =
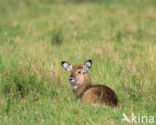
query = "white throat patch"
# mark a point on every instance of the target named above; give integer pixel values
(75, 87)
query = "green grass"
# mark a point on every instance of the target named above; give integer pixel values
(35, 36)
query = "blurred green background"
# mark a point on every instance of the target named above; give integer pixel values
(36, 35)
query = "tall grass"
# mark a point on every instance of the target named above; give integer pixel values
(35, 36)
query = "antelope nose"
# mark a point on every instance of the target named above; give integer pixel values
(71, 80)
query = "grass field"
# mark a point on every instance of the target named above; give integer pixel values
(35, 36)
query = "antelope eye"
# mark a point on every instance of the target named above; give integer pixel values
(78, 72)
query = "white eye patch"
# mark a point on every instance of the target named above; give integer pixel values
(78, 71)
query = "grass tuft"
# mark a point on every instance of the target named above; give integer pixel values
(57, 36)
(20, 84)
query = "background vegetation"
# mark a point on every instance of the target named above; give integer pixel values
(35, 36)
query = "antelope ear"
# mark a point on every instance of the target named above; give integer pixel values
(87, 65)
(66, 66)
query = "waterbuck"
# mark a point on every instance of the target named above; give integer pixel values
(83, 89)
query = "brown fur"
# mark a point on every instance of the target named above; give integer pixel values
(93, 94)
(100, 94)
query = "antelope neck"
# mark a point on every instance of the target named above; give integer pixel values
(80, 90)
